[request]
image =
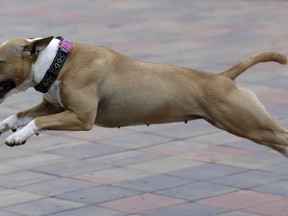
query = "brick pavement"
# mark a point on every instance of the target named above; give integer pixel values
(161, 170)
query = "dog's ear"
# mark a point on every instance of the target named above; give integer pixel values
(33, 47)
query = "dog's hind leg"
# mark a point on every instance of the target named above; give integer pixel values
(242, 114)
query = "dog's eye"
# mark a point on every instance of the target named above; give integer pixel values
(2, 61)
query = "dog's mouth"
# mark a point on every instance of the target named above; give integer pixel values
(6, 86)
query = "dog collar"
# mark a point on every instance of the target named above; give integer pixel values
(65, 46)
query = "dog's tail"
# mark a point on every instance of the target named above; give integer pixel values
(239, 68)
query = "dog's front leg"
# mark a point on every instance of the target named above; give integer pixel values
(23, 118)
(12, 122)
(67, 120)
(20, 137)
(26, 118)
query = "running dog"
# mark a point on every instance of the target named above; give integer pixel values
(85, 85)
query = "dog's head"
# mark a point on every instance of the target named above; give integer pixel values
(16, 59)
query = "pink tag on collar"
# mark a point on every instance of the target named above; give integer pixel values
(66, 44)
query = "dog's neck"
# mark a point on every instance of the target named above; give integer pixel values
(43, 62)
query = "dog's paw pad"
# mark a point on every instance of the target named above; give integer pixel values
(14, 143)
(15, 140)
(9, 144)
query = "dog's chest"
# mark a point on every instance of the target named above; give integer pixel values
(53, 95)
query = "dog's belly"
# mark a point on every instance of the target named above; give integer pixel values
(107, 119)
(149, 94)
(119, 114)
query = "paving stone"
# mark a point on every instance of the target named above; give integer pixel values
(5, 169)
(126, 158)
(90, 211)
(249, 179)
(252, 161)
(240, 200)
(279, 208)
(247, 145)
(278, 188)
(154, 183)
(175, 147)
(186, 209)
(2, 213)
(13, 197)
(207, 172)
(221, 137)
(164, 165)
(98, 194)
(74, 167)
(44, 207)
(196, 191)
(52, 141)
(216, 153)
(23, 178)
(35, 160)
(277, 168)
(56, 186)
(112, 175)
(135, 140)
(9, 153)
(237, 213)
(273, 97)
(89, 150)
(141, 203)
(184, 131)
(97, 134)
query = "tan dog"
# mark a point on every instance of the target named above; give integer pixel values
(100, 86)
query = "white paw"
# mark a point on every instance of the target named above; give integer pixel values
(15, 140)
(9, 123)
(21, 136)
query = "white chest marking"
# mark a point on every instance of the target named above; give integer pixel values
(53, 95)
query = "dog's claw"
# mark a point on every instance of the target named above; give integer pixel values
(15, 143)
(9, 144)
(14, 129)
